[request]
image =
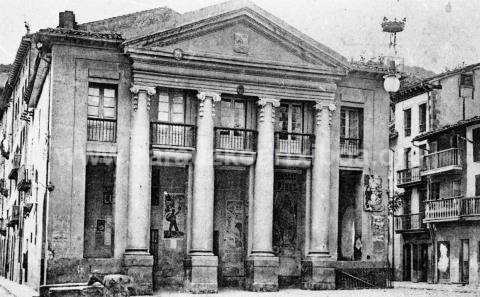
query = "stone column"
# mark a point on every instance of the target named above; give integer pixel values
(316, 273)
(201, 265)
(137, 261)
(262, 263)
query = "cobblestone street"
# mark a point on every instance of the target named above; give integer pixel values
(397, 292)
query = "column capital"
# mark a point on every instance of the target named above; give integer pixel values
(324, 107)
(264, 101)
(202, 95)
(135, 89)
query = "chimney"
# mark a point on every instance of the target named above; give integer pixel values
(66, 20)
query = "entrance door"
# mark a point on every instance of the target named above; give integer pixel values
(423, 262)
(288, 221)
(464, 261)
(230, 226)
(407, 260)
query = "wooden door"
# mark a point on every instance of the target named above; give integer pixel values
(407, 260)
(230, 225)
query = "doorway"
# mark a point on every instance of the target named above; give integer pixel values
(407, 262)
(464, 261)
(423, 262)
(288, 224)
(230, 226)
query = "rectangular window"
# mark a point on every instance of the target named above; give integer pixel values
(466, 85)
(102, 113)
(407, 122)
(477, 185)
(351, 131)
(476, 144)
(171, 106)
(435, 191)
(407, 158)
(422, 117)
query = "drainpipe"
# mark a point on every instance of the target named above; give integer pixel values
(393, 216)
(47, 189)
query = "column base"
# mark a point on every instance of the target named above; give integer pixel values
(316, 275)
(262, 273)
(201, 274)
(139, 266)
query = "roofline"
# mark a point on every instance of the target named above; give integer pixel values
(460, 124)
(22, 50)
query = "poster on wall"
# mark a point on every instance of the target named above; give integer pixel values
(174, 215)
(372, 190)
(379, 228)
(443, 262)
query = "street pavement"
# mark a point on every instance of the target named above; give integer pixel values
(396, 292)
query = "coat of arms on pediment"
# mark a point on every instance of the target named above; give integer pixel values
(240, 43)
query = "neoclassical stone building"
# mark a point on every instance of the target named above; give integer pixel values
(219, 147)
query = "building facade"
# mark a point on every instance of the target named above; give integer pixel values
(219, 147)
(435, 159)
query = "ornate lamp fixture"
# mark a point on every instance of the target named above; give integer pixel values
(392, 27)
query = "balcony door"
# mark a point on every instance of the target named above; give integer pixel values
(169, 128)
(231, 122)
(289, 122)
(351, 131)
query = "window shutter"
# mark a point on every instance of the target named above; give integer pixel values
(477, 185)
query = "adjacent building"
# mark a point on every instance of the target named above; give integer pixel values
(435, 162)
(219, 147)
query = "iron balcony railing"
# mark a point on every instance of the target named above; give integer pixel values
(294, 143)
(14, 216)
(350, 147)
(409, 222)
(17, 159)
(23, 181)
(104, 130)
(172, 134)
(452, 208)
(235, 139)
(408, 176)
(445, 158)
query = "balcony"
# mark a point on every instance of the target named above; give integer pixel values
(408, 177)
(14, 216)
(234, 139)
(103, 130)
(17, 159)
(164, 134)
(291, 143)
(350, 147)
(410, 223)
(445, 161)
(3, 227)
(23, 181)
(453, 209)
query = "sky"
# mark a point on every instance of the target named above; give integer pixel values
(439, 34)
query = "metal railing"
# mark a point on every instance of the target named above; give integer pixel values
(235, 139)
(172, 134)
(294, 143)
(452, 208)
(363, 278)
(350, 147)
(407, 222)
(14, 216)
(448, 157)
(104, 130)
(16, 161)
(409, 175)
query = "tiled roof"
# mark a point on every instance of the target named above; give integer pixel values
(460, 124)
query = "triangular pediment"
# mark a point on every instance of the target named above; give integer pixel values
(242, 34)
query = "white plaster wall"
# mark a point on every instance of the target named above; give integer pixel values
(473, 168)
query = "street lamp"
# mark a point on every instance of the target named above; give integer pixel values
(391, 82)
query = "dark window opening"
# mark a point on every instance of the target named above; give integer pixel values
(407, 122)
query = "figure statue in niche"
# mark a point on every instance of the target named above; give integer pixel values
(357, 249)
(172, 209)
(373, 193)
